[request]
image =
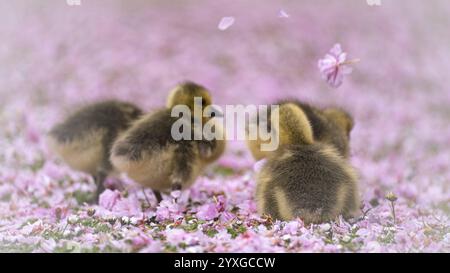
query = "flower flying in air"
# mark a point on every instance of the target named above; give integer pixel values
(335, 65)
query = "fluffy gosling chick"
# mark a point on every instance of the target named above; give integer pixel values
(85, 138)
(149, 154)
(331, 125)
(305, 178)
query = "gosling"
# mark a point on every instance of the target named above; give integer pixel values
(84, 139)
(305, 178)
(331, 125)
(149, 154)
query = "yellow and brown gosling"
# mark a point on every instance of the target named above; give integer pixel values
(149, 154)
(330, 125)
(85, 138)
(305, 178)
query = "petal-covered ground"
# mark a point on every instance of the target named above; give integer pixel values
(55, 57)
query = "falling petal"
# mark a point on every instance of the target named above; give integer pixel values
(283, 14)
(225, 23)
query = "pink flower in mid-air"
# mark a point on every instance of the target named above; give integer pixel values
(335, 65)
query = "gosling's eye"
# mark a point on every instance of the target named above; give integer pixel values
(213, 114)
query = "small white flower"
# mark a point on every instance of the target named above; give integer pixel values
(346, 239)
(77, 230)
(134, 220)
(125, 220)
(262, 228)
(111, 219)
(194, 249)
(247, 177)
(325, 227)
(447, 238)
(73, 219)
(390, 228)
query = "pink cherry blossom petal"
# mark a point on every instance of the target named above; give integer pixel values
(225, 23)
(109, 198)
(283, 14)
(207, 212)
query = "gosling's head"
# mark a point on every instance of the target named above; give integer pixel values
(343, 124)
(130, 111)
(290, 125)
(294, 126)
(189, 94)
(342, 118)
